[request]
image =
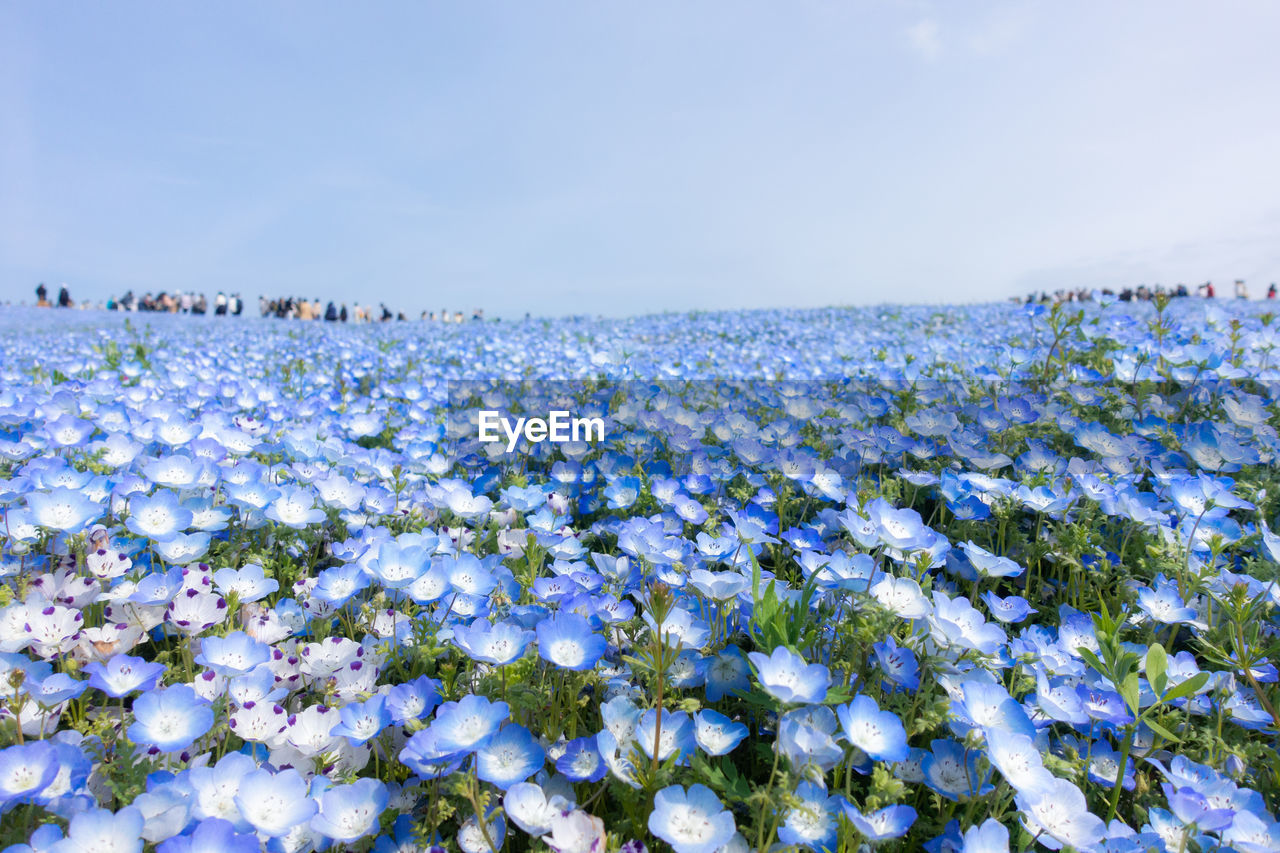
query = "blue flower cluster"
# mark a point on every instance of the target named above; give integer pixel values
(968, 580)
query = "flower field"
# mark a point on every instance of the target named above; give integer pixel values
(980, 579)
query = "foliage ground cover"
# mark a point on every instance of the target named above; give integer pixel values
(979, 579)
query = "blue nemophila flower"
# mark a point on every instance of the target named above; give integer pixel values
(471, 839)
(249, 583)
(728, 673)
(396, 566)
(157, 588)
(1106, 706)
(1191, 806)
(1058, 815)
(65, 509)
(688, 670)
(413, 700)
(469, 723)
(813, 822)
(212, 835)
(510, 756)
(622, 492)
(898, 664)
(170, 719)
(1104, 766)
(987, 704)
(568, 641)
(336, 585)
(805, 738)
(1253, 833)
(294, 507)
(532, 810)
(787, 677)
(235, 654)
(159, 517)
(691, 822)
(524, 498)
(879, 734)
(581, 761)
(952, 771)
(54, 689)
(275, 803)
(682, 627)
(258, 685)
(899, 529)
(25, 771)
(883, 824)
(350, 812)
(990, 565)
(719, 586)
(674, 737)
(715, 733)
(360, 721)
(44, 838)
(183, 547)
(69, 430)
(1018, 759)
(955, 623)
(990, 837)
(426, 756)
(102, 830)
(902, 596)
(1164, 603)
(1012, 609)
(498, 643)
(1057, 700)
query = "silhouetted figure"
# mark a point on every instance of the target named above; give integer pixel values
(331, 312)
(1271, 291)
(42, 295)
(342, 312)
(64, 297)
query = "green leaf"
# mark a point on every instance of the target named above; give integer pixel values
(1186, 688)
(1093, 661)
(1157, 666)
(1162, 731)
(1129, 691)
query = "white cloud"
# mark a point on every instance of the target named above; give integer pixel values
(925, 38)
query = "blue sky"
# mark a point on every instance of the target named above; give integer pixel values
(618, 158)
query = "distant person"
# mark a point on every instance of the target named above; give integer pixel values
(64, 297)
(342, 313)
(42, 295)
(1242, 292)
(1271, 291)
(331, 312)
(238, 308)
(220, 305)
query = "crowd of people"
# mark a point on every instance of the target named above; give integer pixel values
(1141, 293)
(232, 304)
(303, 309)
